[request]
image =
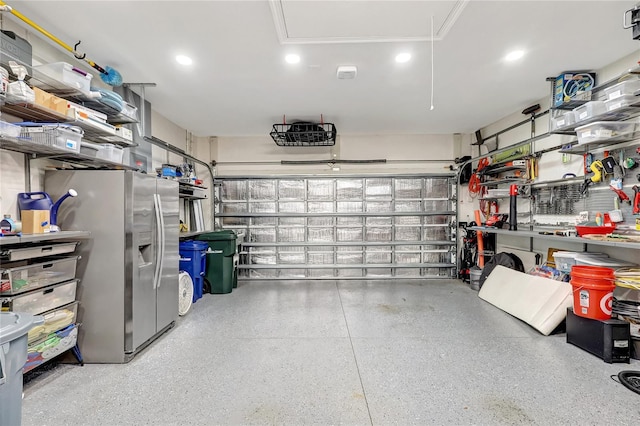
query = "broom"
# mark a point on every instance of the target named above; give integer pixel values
(107, 74)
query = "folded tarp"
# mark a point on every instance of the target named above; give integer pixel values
(540, 302)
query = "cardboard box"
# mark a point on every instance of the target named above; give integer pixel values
(47, 100)
(35, 221)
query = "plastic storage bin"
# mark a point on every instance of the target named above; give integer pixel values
(566, 259)
(589, 110)
(621, 102)
(110, 152)
(193, 260)
(13, 354)
(606, 262)
(89, 149)
(66, 74)
(129, 111)
(41, 300)
(220, 273)
(629, 87)
(8, 130)
(605, 131)
(20, 277)
(60, 136)
(565, 120)
(54, 320)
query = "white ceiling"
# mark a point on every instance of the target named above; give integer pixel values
(240, 84)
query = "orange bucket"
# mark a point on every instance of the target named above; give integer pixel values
(592, 291)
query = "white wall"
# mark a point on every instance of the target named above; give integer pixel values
(404, 154)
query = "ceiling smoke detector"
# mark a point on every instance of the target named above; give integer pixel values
(347, 72)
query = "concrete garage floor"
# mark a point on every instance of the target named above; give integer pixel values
(346, 352)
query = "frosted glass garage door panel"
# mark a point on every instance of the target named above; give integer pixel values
(437, 234)
(262, 189)
(378, 206)
(408, 206)
(291, 221)
(291, 207)
(291, 190)
(407, 220)
(408, 188)
(264, 221)
(288, 235)
(321, 189)
(378, 234)
(349, 189)
(379, 221)
(437, 220)
(262, 207)
(349, 206)
(262, 235)
(350, 221)
(234, 190)
(291, 258)
(408, 233)
(321, 221)
(320, 234)
(378, 188)
(436, 188)
(349, 258)
(320, 258)
(349, 234)
(320, 207)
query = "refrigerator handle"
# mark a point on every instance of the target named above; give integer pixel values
(163, 239)
(156, 209)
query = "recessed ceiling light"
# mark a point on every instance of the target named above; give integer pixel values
(292, 59)
(403, 57)
(184, 60)
(514, 56)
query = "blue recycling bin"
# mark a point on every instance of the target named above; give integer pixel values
(193, 260)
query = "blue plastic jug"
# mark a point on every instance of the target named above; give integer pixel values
(34, 201)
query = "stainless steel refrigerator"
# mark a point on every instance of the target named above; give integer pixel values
(128, 291)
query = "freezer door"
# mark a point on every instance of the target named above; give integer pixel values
(167, 291)
(142, 255)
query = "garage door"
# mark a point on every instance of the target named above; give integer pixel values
(341, 227)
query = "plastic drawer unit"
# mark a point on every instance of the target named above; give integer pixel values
(41, 300)
(54, 320)
(30, 252)
(51, 346)
(19, 277)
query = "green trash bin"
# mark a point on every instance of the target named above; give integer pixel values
(219, 274)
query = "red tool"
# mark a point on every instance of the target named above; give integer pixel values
(636, 200)
(623, 197)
